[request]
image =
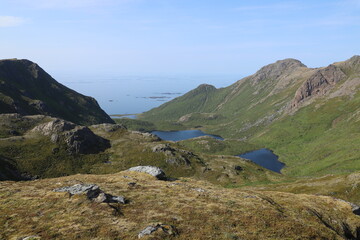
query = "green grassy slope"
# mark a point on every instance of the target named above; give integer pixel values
(317, 135)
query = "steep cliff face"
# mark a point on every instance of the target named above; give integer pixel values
(318, 84)
(27, 89)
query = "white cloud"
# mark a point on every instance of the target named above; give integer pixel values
(11, 21)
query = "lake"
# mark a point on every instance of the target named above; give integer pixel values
(265, 158)
(182, 135)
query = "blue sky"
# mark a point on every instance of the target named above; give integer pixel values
(177, 36)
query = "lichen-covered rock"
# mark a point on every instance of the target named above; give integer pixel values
(92, 192)
(163, 230)
(162, 148)
(108, 127)
(154, 171)
(174, 156)
(79, 139)
(82, 140)
(56, 126)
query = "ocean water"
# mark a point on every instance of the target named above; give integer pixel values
(120, 94)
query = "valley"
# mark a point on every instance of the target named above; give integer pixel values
(307, 117)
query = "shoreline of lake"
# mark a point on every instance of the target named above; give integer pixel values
(263, 157)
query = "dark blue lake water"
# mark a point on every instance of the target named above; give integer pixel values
(182, 135)
(265, 158)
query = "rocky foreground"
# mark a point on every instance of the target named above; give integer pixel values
(136, 205)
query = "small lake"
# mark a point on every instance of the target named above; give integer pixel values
(265, 158)
(182, 135)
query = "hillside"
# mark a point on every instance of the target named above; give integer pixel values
(25, 88)
(41, 147)
(154, 209)
(309, 117)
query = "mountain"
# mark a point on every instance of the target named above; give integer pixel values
(307, 116)
(25, 88)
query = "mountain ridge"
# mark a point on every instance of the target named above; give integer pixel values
(27, 89)
(291, 109)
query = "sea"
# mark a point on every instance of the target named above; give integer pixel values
(133, 94)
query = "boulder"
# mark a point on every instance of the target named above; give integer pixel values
(238, 168)
(78, 139)
(108, 127)
(56, 126)
(92, 192)
(163, 230)
(154, 171)
(82, 140)
(163, 148)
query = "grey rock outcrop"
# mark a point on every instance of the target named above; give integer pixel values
(154, 171)
(78, 139)
(162, 148)
(93, 192)
(318, 84)
(83, 140)
(276, 69)
(108, 127)
(174, 156)
(162, 229)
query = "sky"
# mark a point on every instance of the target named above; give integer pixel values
(222, 39)
(177, 36)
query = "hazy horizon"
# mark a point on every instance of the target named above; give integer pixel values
(164, 42)
(129, 94)
(141, 37)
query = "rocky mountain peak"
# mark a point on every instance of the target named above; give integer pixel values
(206, 87)
(276, 69)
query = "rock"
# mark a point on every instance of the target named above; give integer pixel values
(161, 229)
(198, 190)
(108, 127)
(162, 148)
(147, 135)
(79, 189)
(275, 70)
(78, 139)
(318, 84)
(93, 192)
(174, 156)
(354, 208)
(154, 171)
(33, 237)
(82, 140)
(57, 126)
(116, 199)
(238, 168)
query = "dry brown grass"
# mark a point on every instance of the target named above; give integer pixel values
(198, 210)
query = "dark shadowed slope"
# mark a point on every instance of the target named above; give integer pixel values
(27, 89)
